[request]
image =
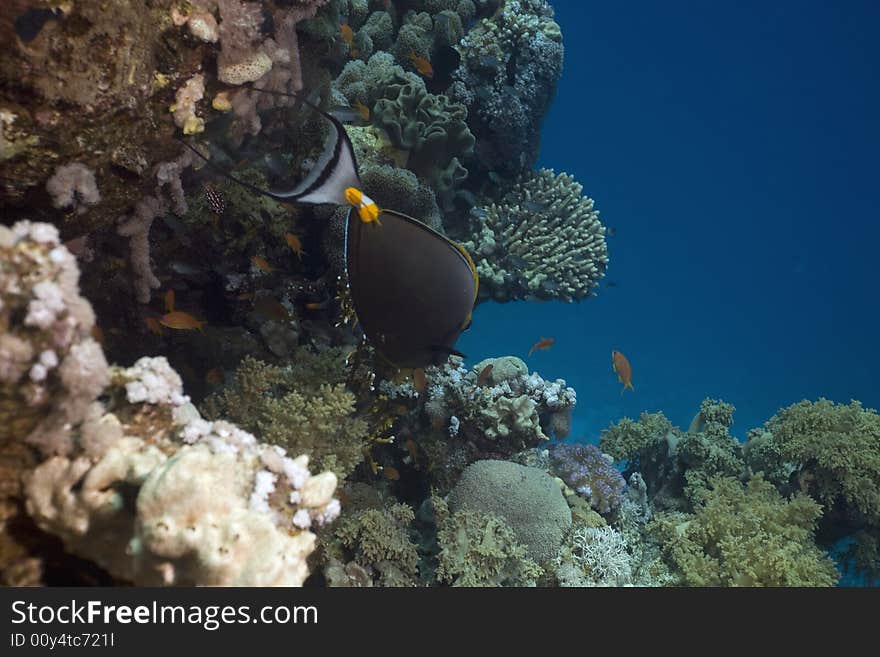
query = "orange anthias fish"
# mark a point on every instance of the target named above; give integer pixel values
(262, 264)
(363, 110)
(542, 345)
(621, 365)
(294, 243)
(215, 376)
(169, 301)
(484, 375)
(419, 380)
(391, 473)
(181, 321)
(422, 65)
(347, 33)
(153, 325)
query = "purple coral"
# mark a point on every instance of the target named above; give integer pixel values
(589, 472)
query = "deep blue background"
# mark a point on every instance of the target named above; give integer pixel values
(734, 147)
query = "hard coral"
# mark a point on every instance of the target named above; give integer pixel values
(543, 239)
(526, 498)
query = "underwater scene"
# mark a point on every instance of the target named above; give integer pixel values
(408, 293)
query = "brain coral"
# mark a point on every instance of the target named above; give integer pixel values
(543, 239)
(526, 498)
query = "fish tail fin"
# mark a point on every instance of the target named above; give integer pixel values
(629, 385)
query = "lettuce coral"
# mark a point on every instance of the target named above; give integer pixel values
(745, 535)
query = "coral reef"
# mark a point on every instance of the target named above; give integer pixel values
(50, 366)
(510, 64)
(542, 240)
(527, 499)
(745, 535)
(375, 542)
(590, 473)
(480, 549)
(298, 409)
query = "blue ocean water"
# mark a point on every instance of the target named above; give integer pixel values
(733, 146)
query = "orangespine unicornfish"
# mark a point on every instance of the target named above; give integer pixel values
(413, 289)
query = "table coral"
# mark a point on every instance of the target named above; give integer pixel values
(543, 239)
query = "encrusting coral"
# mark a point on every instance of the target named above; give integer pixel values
(543, 239)
(139, 484)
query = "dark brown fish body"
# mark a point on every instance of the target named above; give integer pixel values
(413, 290)
(484, 375)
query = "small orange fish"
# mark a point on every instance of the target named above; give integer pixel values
(347, 33)
(271, 308)
(412, 448)
(181, 321)
(294, 244)
(262, 264)
(391, 473)
(621, 366)
(419, 380)
(169, 301)
(355, 53)
(215, 376)
(484, 375)
(317, 305)
(543, 344)
(153, 325)
(363, 110)
(422, 65)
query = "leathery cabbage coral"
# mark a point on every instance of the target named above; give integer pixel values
(542, 239)
(745, 535)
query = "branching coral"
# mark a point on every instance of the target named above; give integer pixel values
(676, 464)
(526, 498)
(745, 535)
(480, 549)
(599, 557)
(542, 239)
(295, 411)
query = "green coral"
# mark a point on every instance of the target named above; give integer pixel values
(835, 448)
(432, 129)
(708, 450)
(628, 440)
(303, 408)
(479, 549)
(745, 535)
(378, 540)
